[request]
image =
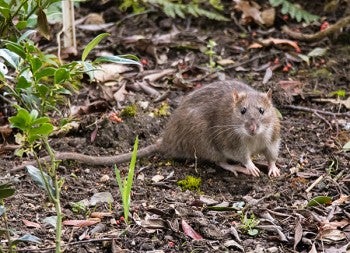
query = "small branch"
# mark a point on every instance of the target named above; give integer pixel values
(307, 109)
(67, 244)
(319, 35)
(318, 180)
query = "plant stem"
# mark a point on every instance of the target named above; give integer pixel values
(56, 199)
(8, 235)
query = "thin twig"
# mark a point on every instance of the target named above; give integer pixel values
(319, 179)
(68, 244)
(307, 109)
(319, 35)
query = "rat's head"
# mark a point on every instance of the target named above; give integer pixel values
(253, 112)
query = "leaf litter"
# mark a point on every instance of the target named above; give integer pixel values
(166, 219)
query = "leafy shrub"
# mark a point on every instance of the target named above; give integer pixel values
(294, 11)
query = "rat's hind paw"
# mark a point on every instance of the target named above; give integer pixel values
(237, 168)
(274, 171)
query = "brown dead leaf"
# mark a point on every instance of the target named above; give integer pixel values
(313, 249)
(250, 11)
(345, 102)
(100, 215)
(109, 72)
(189, 231)
(94, 18)
(269, 41)
(291, 87)
(332, 235)
(119, 96)
(298, 234)
(342, 199)
(268, 17)
(114, 117)
(326, 225)
(81, 223)
(31, 224)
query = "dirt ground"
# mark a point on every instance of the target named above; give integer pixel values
(311, 148)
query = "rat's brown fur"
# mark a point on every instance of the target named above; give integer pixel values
(209, 125)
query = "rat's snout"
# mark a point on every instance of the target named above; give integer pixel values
(252, 127)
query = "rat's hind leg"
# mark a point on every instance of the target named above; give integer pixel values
(237, 168)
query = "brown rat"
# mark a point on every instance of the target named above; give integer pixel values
(226, 120)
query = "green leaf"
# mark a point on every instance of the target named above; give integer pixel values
(10, 57)
(17, 49)
(40, 121)
(319, 200)
(346, 147)
(6, 191)
(61, 75)
(23, 83)
(318, 51)
(5, 9)
(305, 58)
(21, 25)
(26, 35)
(21, 120)
(35, 63)
(39, 177)
(92, 44)
(117, 59)
(253, 232)
(45, 72)
(43, 90)
(26, 238)
(44, 129)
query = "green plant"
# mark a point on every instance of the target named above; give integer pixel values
(125, 184)
(249, 224)
(179, 8)
(190, 183)
(5, 191)
(129, 111)
(294, 11)
(35, 131)
(42, 81)
(212, 55)
(17, 15)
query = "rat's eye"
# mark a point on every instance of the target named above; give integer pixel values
(261, 110)
(243, 110)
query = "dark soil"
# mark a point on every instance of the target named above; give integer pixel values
(311, 147)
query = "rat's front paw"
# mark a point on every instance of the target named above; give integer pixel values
(274, 171)
(253, 170)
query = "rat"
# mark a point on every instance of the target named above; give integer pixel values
(220, 122)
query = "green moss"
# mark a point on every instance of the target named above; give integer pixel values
(322, 73)
(129, 111)
(190, 183)
(163, 110)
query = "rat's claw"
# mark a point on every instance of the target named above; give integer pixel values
(274, 171)
(253, 170)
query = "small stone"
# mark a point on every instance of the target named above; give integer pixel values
(104, 178)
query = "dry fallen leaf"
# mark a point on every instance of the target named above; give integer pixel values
(189, 231)
(100, 215)
(109, 72)
(268, 16)
(31, 224)
(298, 234)
(345, 102)
(81, 223)
(291, 87)
(269, 41)
(250, 11)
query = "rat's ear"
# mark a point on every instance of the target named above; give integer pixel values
(237, 97)
(269, 94)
